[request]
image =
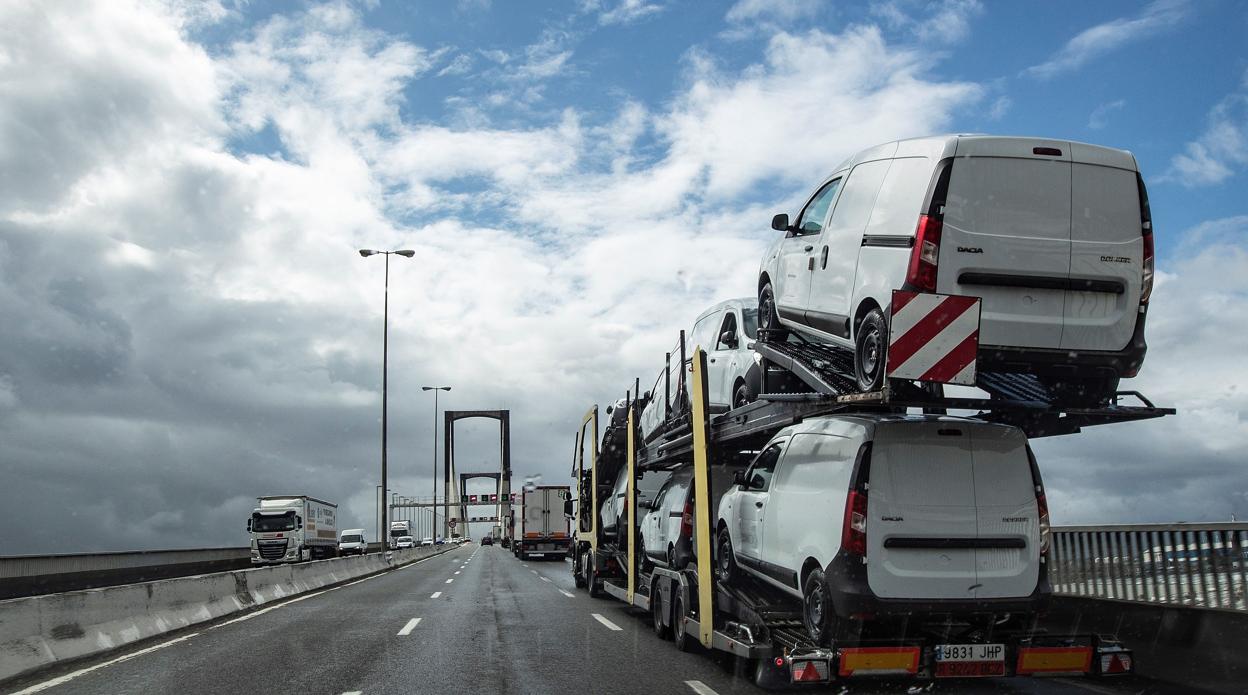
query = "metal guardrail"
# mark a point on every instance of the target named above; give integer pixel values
(1200, 565)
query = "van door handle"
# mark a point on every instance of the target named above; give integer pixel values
(824, 265)
(758, 504)
(809, 248)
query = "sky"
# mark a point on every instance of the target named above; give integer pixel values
(185, 323)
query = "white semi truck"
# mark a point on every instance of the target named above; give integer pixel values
(292, 528)
(543, 530)
(398, 529)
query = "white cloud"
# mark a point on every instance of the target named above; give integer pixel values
(1218, 152)
(1158, 17)
(1099, 117)
(461, 64)
(1000, 106)
(943, 22)
(775, 10)
(624, 11)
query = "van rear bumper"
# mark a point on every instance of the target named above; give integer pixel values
(1048, 362)
(851, 595)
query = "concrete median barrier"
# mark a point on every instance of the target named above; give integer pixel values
(39, 631)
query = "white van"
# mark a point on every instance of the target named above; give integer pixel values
(1054, 236)
(875, 517)
(351, 542)
(726, 331)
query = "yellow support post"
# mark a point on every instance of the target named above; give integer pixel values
(701, 497)
(590, 536)
(632, 505)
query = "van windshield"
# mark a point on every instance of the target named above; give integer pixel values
(353, 539)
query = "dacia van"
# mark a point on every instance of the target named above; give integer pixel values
(875, 517)
(1054, 237)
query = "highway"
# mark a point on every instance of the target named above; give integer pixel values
(471, 620)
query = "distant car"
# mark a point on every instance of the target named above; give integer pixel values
(726, 331)
(1054, 237)
(487, 541)
(352, 542)
(426, 541)
(921, 516)
(440, 541)
(405, 542)
(466, 539)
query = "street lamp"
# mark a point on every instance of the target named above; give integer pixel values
(385, 356)
(377, 499)
(435, 390)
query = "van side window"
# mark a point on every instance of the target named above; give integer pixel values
(759, 475)
(816, 461)
(728, 327)
(853, 208)
(816, 211)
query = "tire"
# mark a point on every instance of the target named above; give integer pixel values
(741, 395)
(591, 578)
(725, 562)
(661, 629)
(768, 317)
(680, 638)
(646, 565)
(818, 613)
(671, 556)
(578, 569)
(870, 346)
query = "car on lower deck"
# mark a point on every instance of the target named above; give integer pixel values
(667, 527)
(891, 517)
(1054, 237)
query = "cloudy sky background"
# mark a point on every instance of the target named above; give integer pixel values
(185, 324)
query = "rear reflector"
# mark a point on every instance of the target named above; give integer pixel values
(812, 671)
(1054, 660)
(1047, 151)
(878, 661)
(1116, 664)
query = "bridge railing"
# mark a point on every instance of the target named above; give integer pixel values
(1199, 565)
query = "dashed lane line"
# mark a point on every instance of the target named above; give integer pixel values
(457, 571)
(567, 594)
(610, 625)
(38, 687)
(407, 629)
(700, 688)
(545, 579)
(436, 594)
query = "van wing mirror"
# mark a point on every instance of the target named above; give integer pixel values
(738, 478)
(780, 222)
(729, 338)
(567, 507)
(249, 525)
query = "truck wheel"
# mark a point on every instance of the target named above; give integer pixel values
(578, 569)
(768, 318)
(725, 563)
(591, 578)
(818, 613)
(661, 628)
(679, 637)
(870, 346)
(646, 565)
(671, 556)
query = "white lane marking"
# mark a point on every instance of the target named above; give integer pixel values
(566, 594)
(59, 680)
(353, 692)
(450, 580)
(533, 571)
(610, 625)
(543, 578)
(436, 594)
(407, 629)
(456, 571)
(700, 688)
(524, 564)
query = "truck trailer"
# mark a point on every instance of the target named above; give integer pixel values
(398, 529)
(543, 529)
(292, 528)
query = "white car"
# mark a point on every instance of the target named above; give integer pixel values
(1055, 237)
(405, 542)
(614, 512)
(888, 516)
(351, 542)
(426, 541)
(667, 528)
(726, 332)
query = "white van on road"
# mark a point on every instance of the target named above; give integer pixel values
(872, 517)
(1055, 237)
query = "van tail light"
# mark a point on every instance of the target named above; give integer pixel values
(1146, 287)
(686, 520)
(921, 273)
(854, 533)
(1042, 504)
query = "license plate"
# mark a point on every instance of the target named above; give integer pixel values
(969, 660)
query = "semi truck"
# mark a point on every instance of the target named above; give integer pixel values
(764, 629)
(292, 528)
(398, 529)
(543, 529)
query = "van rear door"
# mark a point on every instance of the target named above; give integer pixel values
(1007, 236)
(921, 516)
(1007, 564)
(1106, 254)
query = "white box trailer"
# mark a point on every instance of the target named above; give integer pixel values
(543, 530)
(292, 528)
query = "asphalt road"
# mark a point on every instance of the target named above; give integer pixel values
(472, 620)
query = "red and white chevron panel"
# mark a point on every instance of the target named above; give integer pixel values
(933, 337)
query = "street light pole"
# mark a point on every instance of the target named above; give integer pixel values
(385, 358)
(435, 390)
